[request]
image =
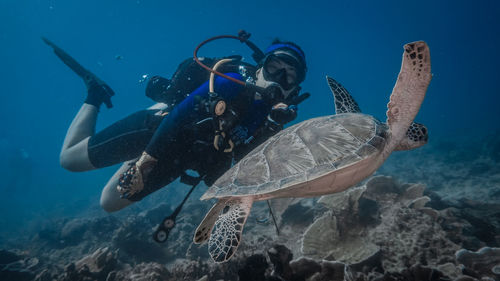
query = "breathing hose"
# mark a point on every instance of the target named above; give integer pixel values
(213, 71)
(243, 38)
(212, 74)
(220, 108)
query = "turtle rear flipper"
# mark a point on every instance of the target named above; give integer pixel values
(226, 237)
(409, 91)
(204, 230)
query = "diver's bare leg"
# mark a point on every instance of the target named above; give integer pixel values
(74, 153)
(110, 197)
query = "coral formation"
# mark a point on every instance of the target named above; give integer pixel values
(462, 167)
(394, 224)
(483, 263)
(446, 227)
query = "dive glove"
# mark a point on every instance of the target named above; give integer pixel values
(133, 180)
(283, 114)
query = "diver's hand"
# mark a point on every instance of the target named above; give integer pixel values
(130, 182)
(282, 113)
(133, 180)
(280, 105)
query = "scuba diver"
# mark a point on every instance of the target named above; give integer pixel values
(200, 122)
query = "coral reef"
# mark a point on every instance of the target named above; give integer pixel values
(141, 272)
(400, 229)
(17, 267)
(445, 227)
(455, 168)
(483, 263)
(397, 223)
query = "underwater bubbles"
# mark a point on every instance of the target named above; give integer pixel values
(144, 77)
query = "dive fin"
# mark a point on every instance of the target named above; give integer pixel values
(88, 77)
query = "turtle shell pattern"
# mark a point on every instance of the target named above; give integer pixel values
(303, 152)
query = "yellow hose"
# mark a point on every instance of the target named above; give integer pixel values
(211, 89)
(212, 75)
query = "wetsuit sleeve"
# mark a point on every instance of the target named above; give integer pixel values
(185, 113)
(263, 134)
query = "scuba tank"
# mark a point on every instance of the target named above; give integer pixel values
(188, 76)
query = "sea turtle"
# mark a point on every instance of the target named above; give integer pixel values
(318, 156)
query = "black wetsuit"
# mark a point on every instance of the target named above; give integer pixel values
(179, 140)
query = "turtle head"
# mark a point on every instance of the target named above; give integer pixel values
(416, 136)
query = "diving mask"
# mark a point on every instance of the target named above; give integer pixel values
(284, 69)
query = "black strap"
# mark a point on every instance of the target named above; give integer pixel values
(190, 180)
(168, 223)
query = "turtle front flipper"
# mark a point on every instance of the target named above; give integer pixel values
(416, 136)
(203, 231)
(344, 102)
(228, 228)
(409, 91)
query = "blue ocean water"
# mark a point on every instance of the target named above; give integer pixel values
(359, 43)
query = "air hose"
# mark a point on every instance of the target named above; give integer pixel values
(243, 38)
(212, 70)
